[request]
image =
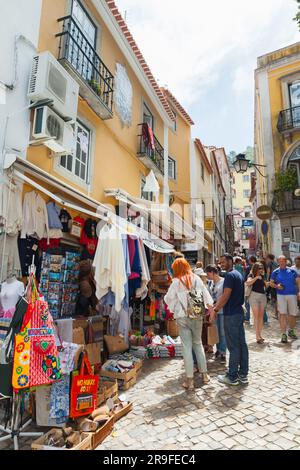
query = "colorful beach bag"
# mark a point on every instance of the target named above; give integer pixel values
(36, 359)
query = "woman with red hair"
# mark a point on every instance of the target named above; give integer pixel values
(185, 284)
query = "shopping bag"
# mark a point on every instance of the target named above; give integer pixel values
(212, 335)
(36, 359)
(84, 388)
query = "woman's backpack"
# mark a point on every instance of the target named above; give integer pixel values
(195, 303)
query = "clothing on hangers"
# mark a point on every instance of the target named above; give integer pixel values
(65, 219)
(9, 253)
(28, 248)
(35, 216)
(53, 211)
(109, 263)
(11, 207)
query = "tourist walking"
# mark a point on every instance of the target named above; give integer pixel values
(271, 292)
(215, 287)
(257, 285)
(238, 265)
(296, 266)
(178, 300)
(231, 302)
(286, 281)
(252, 260)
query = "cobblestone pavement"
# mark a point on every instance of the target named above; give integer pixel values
(263, 415)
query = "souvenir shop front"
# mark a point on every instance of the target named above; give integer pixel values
(81, 303)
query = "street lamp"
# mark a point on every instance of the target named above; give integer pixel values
(241, 165)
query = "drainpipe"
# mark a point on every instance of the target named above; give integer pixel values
(166, 166)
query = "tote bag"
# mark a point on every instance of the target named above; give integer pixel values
(84, 387)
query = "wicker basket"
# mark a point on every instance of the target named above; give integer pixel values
(172, 328)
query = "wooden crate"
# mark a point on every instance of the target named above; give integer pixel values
(108, 389)
(127, 385)
(126, 376)
(139, 365)
(85, 444)
(102, 433)
(120, 414)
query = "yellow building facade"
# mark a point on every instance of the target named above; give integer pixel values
(117, 94)
(277, 145)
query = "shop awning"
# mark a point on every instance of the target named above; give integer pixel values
(159, 214)
(102, 212)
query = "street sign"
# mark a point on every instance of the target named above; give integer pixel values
(247, 223)
(264, 228)
(264, 213)
(209, 224)
(295, 247)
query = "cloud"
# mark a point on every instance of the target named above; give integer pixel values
(188, 44)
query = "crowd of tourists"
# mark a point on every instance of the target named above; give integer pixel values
(230, 294)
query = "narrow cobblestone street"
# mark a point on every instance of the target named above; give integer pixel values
(263, 415)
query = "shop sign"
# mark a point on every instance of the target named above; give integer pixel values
(294, 247)
(264, 213)
(209, 224)
(191, 247)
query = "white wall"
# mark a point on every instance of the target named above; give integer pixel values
(18, 18)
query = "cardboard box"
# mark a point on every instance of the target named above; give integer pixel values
(94, 353)
(78, 336)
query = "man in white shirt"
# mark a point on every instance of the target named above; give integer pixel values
(296, 266)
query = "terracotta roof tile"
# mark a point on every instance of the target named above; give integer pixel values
(204, 156)
(176, 103)
(124, 28)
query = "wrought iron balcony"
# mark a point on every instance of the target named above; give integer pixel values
(81, 60)
(289, 120)
(286, 203)
(153, 158)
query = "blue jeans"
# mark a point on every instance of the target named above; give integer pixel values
(266, 318)
(237, 346)
(221, 346)
(190, 332)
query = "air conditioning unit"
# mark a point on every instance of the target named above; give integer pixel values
(52, 131)
(49, 80)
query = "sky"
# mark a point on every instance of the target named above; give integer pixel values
(205, 52)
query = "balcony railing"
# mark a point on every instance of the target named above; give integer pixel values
(80, 58)
(289, 119)
(156, 155)
(286, 202)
